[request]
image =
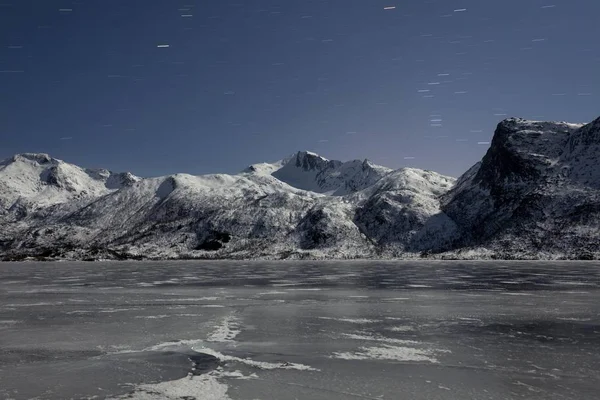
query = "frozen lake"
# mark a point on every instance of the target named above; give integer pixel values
(300, 330)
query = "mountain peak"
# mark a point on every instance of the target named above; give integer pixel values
(519, 124)
(366, 163)
(306, 153)
(530, 167)
(39, 158)
(309, 171)
(593, 127)
(309, 161)
(534, 194)
(40, 180)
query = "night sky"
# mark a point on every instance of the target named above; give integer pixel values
(157, 87)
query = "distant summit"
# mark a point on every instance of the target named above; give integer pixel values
(309, 171)
(38, 180)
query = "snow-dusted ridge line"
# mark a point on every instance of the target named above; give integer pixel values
(219, 215)
(36, 180)
(309, 171)
(535, 194)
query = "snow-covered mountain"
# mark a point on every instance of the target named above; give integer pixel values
(31, 181)
(268, 210)
(537, 190)
(309, 171)
(536, 193)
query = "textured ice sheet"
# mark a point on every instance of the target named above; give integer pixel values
(253, 363)
(205, 387)
(226, 331)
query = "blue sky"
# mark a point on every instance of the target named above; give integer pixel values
(422, 84)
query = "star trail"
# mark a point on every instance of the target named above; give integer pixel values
(157, 87)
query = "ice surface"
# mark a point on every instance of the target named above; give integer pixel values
(206, 387)
(226, 331)
(253, 363)
(460, 338)
(352, 320)
(360, 336)
(388, 352)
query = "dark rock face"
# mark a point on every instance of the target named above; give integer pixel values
(579, 160)
(527, 187)
(315, 231)
(210, 245)
(214, 241)
(49, 177)
(513, 167)
(314, 228)
(588, 135)
(312, 162)
(388, 218)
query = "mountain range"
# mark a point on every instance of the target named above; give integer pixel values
(534, 195)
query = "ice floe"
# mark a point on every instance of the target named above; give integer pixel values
(226, 331)
(206, 387)
(400, 328)
(352, 320)
(388, 352)
(378, 338)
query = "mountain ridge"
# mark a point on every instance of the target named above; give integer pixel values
(535, 194)
(528, 185)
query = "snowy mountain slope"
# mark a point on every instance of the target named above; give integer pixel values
(31, 181)
(252, 214)
(183, 214)
(536, 193)
(398, 209)
(309, 171)
(536, 189)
